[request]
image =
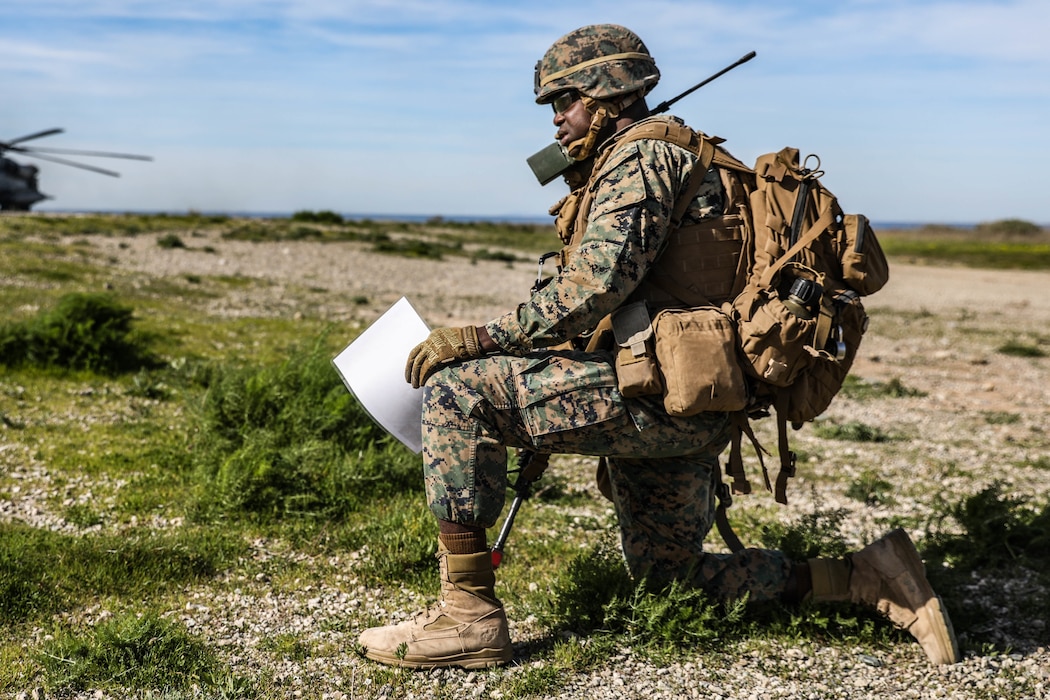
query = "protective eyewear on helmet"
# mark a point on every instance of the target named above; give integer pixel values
(564, 100)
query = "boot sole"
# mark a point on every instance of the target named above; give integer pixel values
(483, 658)
(932, 615)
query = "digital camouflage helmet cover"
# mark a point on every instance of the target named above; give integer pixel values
(610, 67)
(600, 61)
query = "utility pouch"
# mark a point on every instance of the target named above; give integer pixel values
(813, 389)
(696, 352)
(864, 265)
(636, 370)
(779, 333)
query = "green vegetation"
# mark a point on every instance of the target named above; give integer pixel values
(289, 439)
(1010, 228)
(853, 431)
(1017, 348)
(180, 460)
(170, 240)
(83, 332)
(858, 388)
(1000, 538)
(433, 239)
(871, 489)
(816, 534)
(141, 651)
(1008, 244)
(318, 217)
(45, 572)
(999, 530)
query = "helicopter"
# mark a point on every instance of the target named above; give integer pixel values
(19, 182)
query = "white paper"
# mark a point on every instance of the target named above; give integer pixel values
(373, 369)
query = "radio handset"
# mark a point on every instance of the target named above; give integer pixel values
(550, 162)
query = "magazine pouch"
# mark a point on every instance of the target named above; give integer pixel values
(636, 370)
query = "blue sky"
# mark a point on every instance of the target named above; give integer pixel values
(920, 111)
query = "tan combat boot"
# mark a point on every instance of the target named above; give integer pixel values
(889, 575)
(466, 628)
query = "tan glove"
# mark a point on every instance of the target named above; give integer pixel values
(442, 346)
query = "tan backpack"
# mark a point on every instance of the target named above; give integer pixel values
(800, 318)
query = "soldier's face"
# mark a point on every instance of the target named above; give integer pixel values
(572, 123)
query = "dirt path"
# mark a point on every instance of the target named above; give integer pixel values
(1017, 294)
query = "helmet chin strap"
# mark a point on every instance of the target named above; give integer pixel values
(601, 112)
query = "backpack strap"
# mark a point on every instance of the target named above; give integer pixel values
(735, 469)
(826, 218)
(787, 457)
(673, 131)
(741, 426)
(703, 146)
(725, 500)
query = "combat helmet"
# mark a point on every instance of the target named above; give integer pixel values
(608, 65)
(600, 61)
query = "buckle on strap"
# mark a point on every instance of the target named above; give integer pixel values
(724, 494)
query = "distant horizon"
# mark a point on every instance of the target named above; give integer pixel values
(463, 218)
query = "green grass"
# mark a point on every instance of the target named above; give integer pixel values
(135, 651)
(103, 224)
(870, 488)
(83, 332)
(1017, 348)
(42, 572)
(858, 388)
(852, 431)
(1007, 244)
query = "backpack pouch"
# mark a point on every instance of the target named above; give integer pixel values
(812, 391)
(696, 353)
(864, 265)
(773, 339)
(636, 369)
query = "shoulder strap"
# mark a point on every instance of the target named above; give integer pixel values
(704, 147)
(671, 131)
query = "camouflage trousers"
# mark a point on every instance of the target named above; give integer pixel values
(663, 469)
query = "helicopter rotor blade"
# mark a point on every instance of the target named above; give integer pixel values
(37, 135)
(78, 152)
(63, 161)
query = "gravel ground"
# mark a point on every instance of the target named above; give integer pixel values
(934, 328)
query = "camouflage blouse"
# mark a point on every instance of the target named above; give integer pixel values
(627, 228)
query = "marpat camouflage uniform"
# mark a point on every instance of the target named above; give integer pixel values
(662, 468)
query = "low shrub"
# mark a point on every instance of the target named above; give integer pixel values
(318, 217)
(85, 331)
